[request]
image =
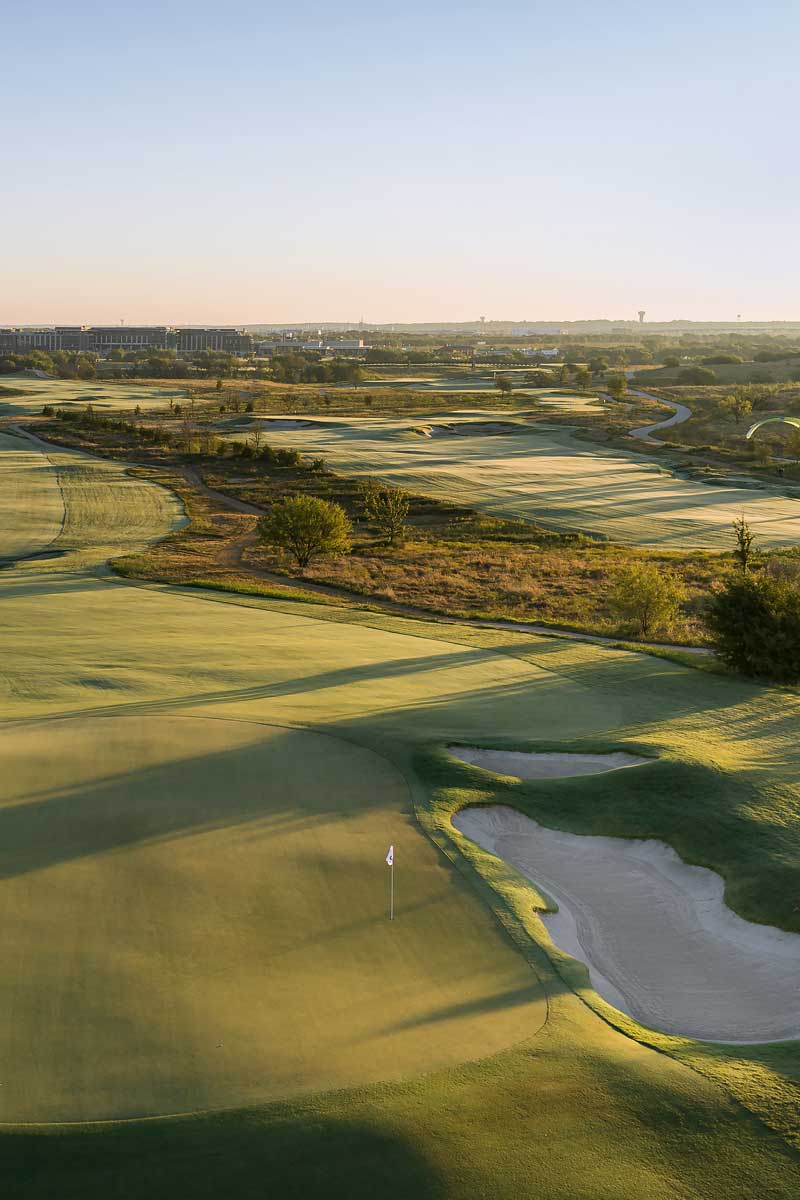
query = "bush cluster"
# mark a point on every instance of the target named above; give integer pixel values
(755, 620)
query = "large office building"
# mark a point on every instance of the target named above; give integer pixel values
(227, 339)
(102, 339)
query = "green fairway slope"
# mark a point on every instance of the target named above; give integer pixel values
(31, 508)
(24, 396)
(198, 796)
(550, 476)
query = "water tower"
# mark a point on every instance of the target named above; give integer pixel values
(641, 316)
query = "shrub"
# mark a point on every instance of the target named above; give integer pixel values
(650, 599)
(696, 375)
(306, 527)
(755, 623)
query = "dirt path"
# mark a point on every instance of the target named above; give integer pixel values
(233, 556)
(644, 432)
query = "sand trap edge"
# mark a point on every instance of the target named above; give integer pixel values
(529, 764)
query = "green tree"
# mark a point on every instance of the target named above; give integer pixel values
(792, 445)
(617, 386)
(755, 624)
(387, 508)
(736, 406)
(306, 527)
(648, 598)
(504, 384)
(745, 547)
(583, 378)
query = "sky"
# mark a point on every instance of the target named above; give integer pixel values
(194, 163)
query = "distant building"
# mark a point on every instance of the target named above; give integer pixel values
(225, 339)
(102, 339)
(320, 345)
(22, 341)
(105, 338)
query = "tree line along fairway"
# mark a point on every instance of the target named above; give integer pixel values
(199, 795)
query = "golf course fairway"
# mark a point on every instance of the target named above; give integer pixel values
(202, 993)
(546, 474)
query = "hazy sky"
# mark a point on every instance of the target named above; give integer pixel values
(194, 162)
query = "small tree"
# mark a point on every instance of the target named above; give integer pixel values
(583, 378)
(745, 539)
(504, 384)
(617, 386)
(736, 406)
(306, 527)
(387, 508)
(755, 623)
(650, 599)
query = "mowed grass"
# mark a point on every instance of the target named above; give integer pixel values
(31, 509)
(167, 850)
(199, 913)
(548, 475)
(24, 396)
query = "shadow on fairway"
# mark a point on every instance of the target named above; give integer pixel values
(218, 790)
(485, 1004)
(238, 1156)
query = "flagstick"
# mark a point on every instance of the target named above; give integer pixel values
(391, 891)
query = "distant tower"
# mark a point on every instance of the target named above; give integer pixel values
(483, 320)
(641, 316)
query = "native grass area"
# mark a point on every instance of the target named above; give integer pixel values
(194, 897)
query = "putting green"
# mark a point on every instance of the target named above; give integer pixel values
(198, 913)
(192, 909)
(548, 475)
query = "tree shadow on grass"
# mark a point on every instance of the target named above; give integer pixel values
(299, 1154)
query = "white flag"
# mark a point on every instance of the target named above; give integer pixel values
(390, 857)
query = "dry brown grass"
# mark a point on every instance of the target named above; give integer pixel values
(454, 562)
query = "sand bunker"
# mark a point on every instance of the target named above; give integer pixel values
(658, 939)
(287, 423)
(468, 429)
(523, 765)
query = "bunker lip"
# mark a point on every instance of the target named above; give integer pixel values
(468, 428)
(523, 764)
(656, 935)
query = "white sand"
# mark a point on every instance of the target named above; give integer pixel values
(469, 429)
(524, 765)
(658, 939)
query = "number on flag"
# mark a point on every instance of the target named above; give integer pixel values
(390, 857)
